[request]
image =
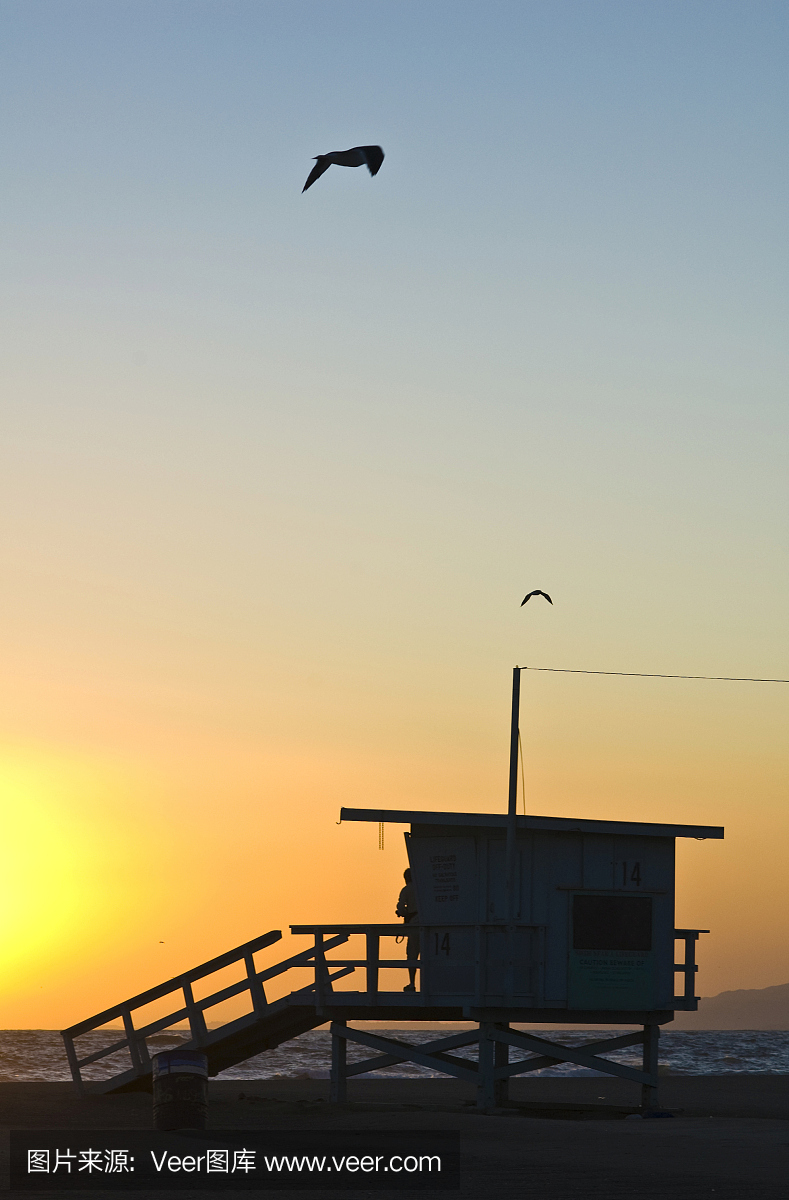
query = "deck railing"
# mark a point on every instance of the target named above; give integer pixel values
(688, 968)
(372, 963)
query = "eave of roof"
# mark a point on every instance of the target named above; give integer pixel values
(547, 824)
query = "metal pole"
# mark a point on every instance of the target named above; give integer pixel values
(510, 882)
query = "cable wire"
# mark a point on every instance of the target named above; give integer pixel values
(646, 675)
(523, 779)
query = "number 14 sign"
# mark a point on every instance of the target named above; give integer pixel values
(627, 874)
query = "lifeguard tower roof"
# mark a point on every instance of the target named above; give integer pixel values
(495, 821)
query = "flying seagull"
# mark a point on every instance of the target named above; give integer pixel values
(536, 592)
(358, 156)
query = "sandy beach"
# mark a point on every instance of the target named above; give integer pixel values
(565, 1139)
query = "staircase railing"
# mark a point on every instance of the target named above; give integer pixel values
(188, 1008)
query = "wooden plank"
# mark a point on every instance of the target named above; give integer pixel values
(373, 956)
(548, 824)
(486, 1092)
(520, 1014)
(365, 962)
(574, 1054)
(460, 1068)
(321, 972)
(467, 1038)
(389, 930)
(649, 1088)
(197, 1023)
(525, 1065)
(74, 1065)
(511, 1037)
(441, 1044)
(256, 990)
(338, 1087)
(138, 1063)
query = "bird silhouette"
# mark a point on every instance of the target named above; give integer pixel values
(358, 156)
(536, 592)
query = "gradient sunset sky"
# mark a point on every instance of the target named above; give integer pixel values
(277, 469)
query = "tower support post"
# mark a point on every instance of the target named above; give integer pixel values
(338, 1080)
(501, 1058)
(649, 1091)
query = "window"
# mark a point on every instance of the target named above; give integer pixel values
(612, 923)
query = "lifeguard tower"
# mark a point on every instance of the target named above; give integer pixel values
(586, 937)
(522, 920)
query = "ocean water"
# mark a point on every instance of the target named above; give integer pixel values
(38, 1054)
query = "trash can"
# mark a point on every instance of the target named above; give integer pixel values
(180, 1089)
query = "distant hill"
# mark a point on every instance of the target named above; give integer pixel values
(757, 1008)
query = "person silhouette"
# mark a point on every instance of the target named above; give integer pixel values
(407, 909)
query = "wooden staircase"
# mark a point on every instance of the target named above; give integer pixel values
(264, 1028)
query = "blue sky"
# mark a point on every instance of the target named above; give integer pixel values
(278, 468)
(551, 333)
